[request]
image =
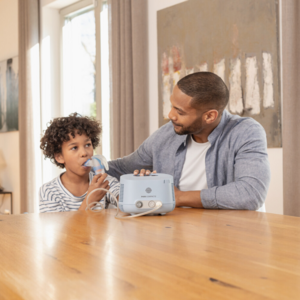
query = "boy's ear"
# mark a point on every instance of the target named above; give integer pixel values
(59, 158)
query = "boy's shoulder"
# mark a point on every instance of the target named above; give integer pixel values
(51, 186)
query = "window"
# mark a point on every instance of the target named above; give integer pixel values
(79, 63)
(85, 65)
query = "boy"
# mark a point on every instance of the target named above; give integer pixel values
(69, 142)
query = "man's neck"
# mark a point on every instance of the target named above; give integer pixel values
(203, 136)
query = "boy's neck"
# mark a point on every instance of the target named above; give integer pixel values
(75, 184)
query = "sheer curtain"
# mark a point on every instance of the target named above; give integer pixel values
(129, 72)
(29, 104)
(291, 106)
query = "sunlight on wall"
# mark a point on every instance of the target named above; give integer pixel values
(36, 121)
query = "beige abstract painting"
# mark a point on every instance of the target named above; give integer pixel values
(236, 39)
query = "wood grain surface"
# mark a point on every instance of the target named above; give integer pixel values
(186, 254)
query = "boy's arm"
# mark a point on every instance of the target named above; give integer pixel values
(114, 189)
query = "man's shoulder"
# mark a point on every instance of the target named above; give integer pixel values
(238, 131)
(242, 126)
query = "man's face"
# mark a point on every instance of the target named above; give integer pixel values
(185, 118)
(75, 153)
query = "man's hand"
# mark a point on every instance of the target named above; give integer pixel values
(143, 172)
(188, 198)
(98, 181)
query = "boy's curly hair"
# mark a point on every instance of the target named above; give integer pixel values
(59, 130)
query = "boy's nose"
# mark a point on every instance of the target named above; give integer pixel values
(84, 152)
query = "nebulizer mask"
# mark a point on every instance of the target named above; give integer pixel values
(99, 164)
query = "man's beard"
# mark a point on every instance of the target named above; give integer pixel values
(195, 128)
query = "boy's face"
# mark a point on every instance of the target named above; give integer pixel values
(74, 153)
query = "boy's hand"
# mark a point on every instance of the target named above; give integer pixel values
(143, 172)
(97, 182)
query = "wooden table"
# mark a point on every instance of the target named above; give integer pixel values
(187, 254)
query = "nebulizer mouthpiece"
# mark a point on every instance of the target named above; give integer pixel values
(98, 163)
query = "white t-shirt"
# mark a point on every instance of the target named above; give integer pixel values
(193, 176)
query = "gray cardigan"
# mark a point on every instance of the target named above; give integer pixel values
(237, 166)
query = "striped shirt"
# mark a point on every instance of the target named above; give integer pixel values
(54, 197)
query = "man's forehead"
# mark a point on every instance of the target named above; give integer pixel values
(180, 99)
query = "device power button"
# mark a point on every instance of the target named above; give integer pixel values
(139, 204)
(151, 203)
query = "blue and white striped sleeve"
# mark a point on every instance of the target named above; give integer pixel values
(114, 189)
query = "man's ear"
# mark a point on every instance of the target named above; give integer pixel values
(59, 158)
(211, 116)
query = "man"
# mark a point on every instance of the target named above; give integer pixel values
(218, 160)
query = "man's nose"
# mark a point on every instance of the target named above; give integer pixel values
(171, 115)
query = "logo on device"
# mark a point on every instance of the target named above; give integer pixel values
(148, 190)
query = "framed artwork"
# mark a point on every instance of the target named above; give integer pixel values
(238, 41)
(9, 95)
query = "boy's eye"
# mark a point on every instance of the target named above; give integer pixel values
(74, 148)
(88, 145)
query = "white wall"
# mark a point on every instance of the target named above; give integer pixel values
(9, 142)
(274, 201)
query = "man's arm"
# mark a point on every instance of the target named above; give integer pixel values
(139, 159)
(190, 198)
(252, 176)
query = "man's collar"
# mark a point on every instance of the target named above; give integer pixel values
(218, 130)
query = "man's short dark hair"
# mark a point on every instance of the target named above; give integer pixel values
(60, 129)
(206, 89)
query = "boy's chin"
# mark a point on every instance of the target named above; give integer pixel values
(85, 169)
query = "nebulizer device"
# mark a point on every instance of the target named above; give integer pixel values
(139, 195)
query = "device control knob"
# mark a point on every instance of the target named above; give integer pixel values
(151, 203)
(139, 204)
